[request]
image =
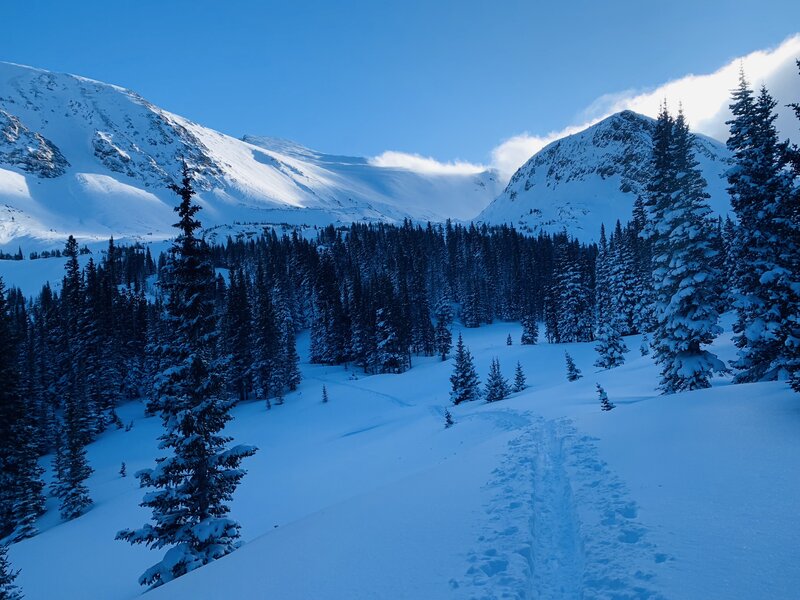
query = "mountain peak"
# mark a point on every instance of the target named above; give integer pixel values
(593, 177)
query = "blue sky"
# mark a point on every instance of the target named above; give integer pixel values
(449, 80)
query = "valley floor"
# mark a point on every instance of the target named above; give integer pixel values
(542, 495)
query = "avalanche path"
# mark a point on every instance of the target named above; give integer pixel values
(559, 524)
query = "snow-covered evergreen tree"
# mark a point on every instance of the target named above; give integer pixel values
(464, 380)
(605, 403)
(530, 330)
(324, 394)
(766, 278)
(519, 379)
(684, 279)
(573, 372)
(21, 485)
(193, 483)
(610, 346)
(509, 341)
(448, 419)
(496, 385)
(444, 320)
(8, 590)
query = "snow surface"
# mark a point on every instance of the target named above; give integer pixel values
(541, 495)
(90, 159)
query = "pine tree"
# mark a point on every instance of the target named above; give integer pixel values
(73, 492)
(530, 330)
(193, 483)
(448, 419)
(496, 385)
(443, 335)
(519, 379)
(605, 404)
(21, 498)
(610, 346)
(8, 590)
(767, 242)
(123, 470)
(464, 380)
(324, 394)
(644, 348)
(573, 372)
(265, 339)
(683, 275)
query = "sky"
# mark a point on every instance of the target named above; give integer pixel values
(433, 85)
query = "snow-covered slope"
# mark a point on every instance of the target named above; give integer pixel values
(541, 495)
(593, 177)
(82, 157)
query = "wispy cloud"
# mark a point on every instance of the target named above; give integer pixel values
(425, 164)
(705, 100)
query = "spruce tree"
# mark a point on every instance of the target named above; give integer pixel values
(8, 590)
(496, 385)
(442, 333)
(464, 380)
(519, 379)
(448, 419)
(530, 330)
(767, 243)
(509, 341)
(193, 483)
(573, 372)
(324, 394)
(610, 346)
(605, 403)
(21, 498)
(683, 274)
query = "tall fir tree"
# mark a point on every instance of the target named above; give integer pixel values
(766, 243)
(192, 484)
(530, 330)
(519, 379)
(684, 279)
(464, 380)
(444, 321)
(21, 485)
(496, 385)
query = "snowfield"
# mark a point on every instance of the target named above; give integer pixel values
(542, 495)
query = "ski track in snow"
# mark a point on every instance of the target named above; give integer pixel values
(393, 399)
(560, 525)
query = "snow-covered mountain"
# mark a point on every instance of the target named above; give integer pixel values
(593, 177)
(86, 158)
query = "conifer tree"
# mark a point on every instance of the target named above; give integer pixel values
(530, 331)
(610, 346)
(519, 379)
(123, 470)
(605, 403)
(265, 339)
(496, 385)
(683, 275)
(448, 419)
(324, 394)
(444, 320)
(509, 341)
(464, 380)
(573, 372)
(21, 498)
(767, 242)
(8, 590)
(192, 484)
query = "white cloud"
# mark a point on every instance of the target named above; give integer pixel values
(424, 164)
(705, 100)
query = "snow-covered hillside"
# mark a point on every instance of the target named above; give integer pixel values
(593, 177)
(86, 158)
(542, 495)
